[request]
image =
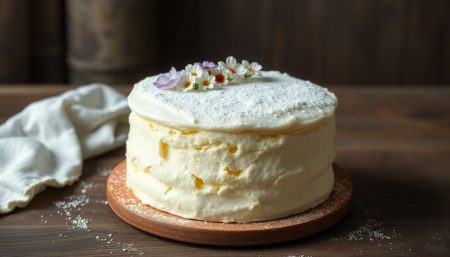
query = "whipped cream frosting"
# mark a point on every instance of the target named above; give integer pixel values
(274, 102)
(229, 177)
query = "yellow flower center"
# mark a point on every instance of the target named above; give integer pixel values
(194, 74)
(187, 84)
(205, 82)
(232, 69)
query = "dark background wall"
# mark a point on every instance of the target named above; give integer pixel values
(330, 42)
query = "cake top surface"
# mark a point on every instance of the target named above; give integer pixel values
(275, 101)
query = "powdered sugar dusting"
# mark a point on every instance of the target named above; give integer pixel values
(71, 202)
(275, 100)
(80, 223)
(371, 230)
(79, 217)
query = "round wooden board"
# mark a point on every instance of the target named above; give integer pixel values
(130, 209)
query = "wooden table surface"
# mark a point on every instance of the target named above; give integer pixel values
(394, 141)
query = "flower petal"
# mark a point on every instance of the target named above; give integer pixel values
(173, 73)
(256, 66)
(162, 79)
(231, 61)
(223, 65)
(240, 70)
(167, 80)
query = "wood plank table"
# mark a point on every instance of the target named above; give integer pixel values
(394, 141)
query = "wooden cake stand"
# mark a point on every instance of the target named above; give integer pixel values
(130, 209)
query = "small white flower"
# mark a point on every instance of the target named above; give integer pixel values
(235, 70)
(186, 81)
(205, 81)
(252, 69)
(194, 69)
(221, 76)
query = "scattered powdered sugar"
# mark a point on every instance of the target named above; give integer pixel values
(72, 202)
(104, 172)
(258, 102)
(372, 230)
(107, 241)
(65, 208)
(85, 186)
(69, 206)
(129, 247)
(72, 209)
(80, 223)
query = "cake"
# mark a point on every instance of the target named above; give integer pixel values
(253, 149)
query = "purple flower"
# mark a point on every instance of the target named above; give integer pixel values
(167, 80)
(207, 65)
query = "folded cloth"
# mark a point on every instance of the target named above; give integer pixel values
(45, 144)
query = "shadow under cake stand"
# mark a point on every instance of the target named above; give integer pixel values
(130, 209)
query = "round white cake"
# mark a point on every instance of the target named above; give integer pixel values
(259, 150)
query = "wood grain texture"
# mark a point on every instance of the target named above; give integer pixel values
(47, 41)
(394, 141)
(350, 42)
(110, 41)
(345, 42)
(426, 41)
(14, 41)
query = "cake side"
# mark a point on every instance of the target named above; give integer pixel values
(227, 176)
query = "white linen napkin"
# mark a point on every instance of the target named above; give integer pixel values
(45, 144)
